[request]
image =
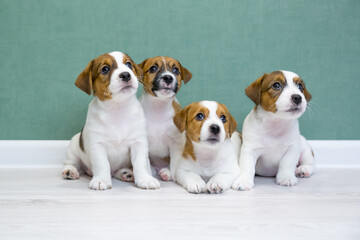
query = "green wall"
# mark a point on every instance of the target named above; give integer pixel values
(45, 44)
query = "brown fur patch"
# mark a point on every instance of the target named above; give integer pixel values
(230, 124)
(92, 80)
(185, 121)
(135, 68)
(304, 91)
(81, 141)
(261, 91)
(169, 64)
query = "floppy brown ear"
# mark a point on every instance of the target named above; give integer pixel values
(142, 65)
(253, 91)
(138, 72)
(84, 80)
(180, 119)
(186, 75)
(307, 94)
(232, 125)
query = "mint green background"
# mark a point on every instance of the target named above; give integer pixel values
(44, 45)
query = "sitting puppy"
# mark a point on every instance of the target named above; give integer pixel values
(209, 148)
(272, 144)
(114, 135)
(163, 78)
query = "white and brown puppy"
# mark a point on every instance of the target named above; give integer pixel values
(114, 135)
(272, 144)
(209, 150)
(163, 77)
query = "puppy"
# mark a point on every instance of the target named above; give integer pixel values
(163, 78)
(114, 135)
(209, 150)
(272, 144)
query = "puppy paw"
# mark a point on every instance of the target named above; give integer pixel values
(214, 187)
(286, 180)
(70, 172)
(165, 174)
(147, 182)
(98, 183)
(196, 187)
(125, 175)
(304, 171)
(243, 183)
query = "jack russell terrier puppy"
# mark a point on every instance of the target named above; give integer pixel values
(272, 144)
(162, 79)
(209, 150)
(114, 135)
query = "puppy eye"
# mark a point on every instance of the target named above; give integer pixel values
(153, 69)
(199, 117)
(128, 64)
(276, 86)
(175, 70)
(300, 86)
(223, 118)
(105, 70)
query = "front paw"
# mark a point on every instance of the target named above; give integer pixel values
(243, 183)
(196, 187)
(147, 182)
(165, 174)
(98, 183)
(286, 180)
(304, 171)
(215, 187)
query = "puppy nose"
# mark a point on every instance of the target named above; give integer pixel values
(168, 79)
(296, 98)
(215, 129)
(125, 76)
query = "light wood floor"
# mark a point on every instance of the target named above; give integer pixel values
(39, 204)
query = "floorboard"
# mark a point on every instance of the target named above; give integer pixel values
(39, 204)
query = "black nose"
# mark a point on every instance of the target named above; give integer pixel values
(125, 76)
(296, 98)
(168, 79)
(215, 129)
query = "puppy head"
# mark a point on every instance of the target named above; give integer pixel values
(110, 76)
(207, 122)
(163, 76)
(281, 92)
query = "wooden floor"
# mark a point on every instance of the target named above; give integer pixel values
(39, 204)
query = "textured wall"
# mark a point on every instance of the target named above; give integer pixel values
(44, 45)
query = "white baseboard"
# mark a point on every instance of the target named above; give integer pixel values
(23, 154)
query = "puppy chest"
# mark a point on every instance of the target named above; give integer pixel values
(160, 137)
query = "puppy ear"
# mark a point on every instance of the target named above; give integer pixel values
(139, 72)
(180, 119)
(84, 80)
(253, 91)
(142, 65)
(186, 75)
(307, 94)
(232, 125)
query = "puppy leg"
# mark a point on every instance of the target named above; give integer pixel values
(307, 160)
(221, 182)
(286, 174)
(141, 166)
(247, 164)
(165, 174)
(191, 181)
(72, 162)
(124, 174)
(100, 167)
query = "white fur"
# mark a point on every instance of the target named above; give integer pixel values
(272, 144)
(114, 136)
(161, 131)
(215, 164)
